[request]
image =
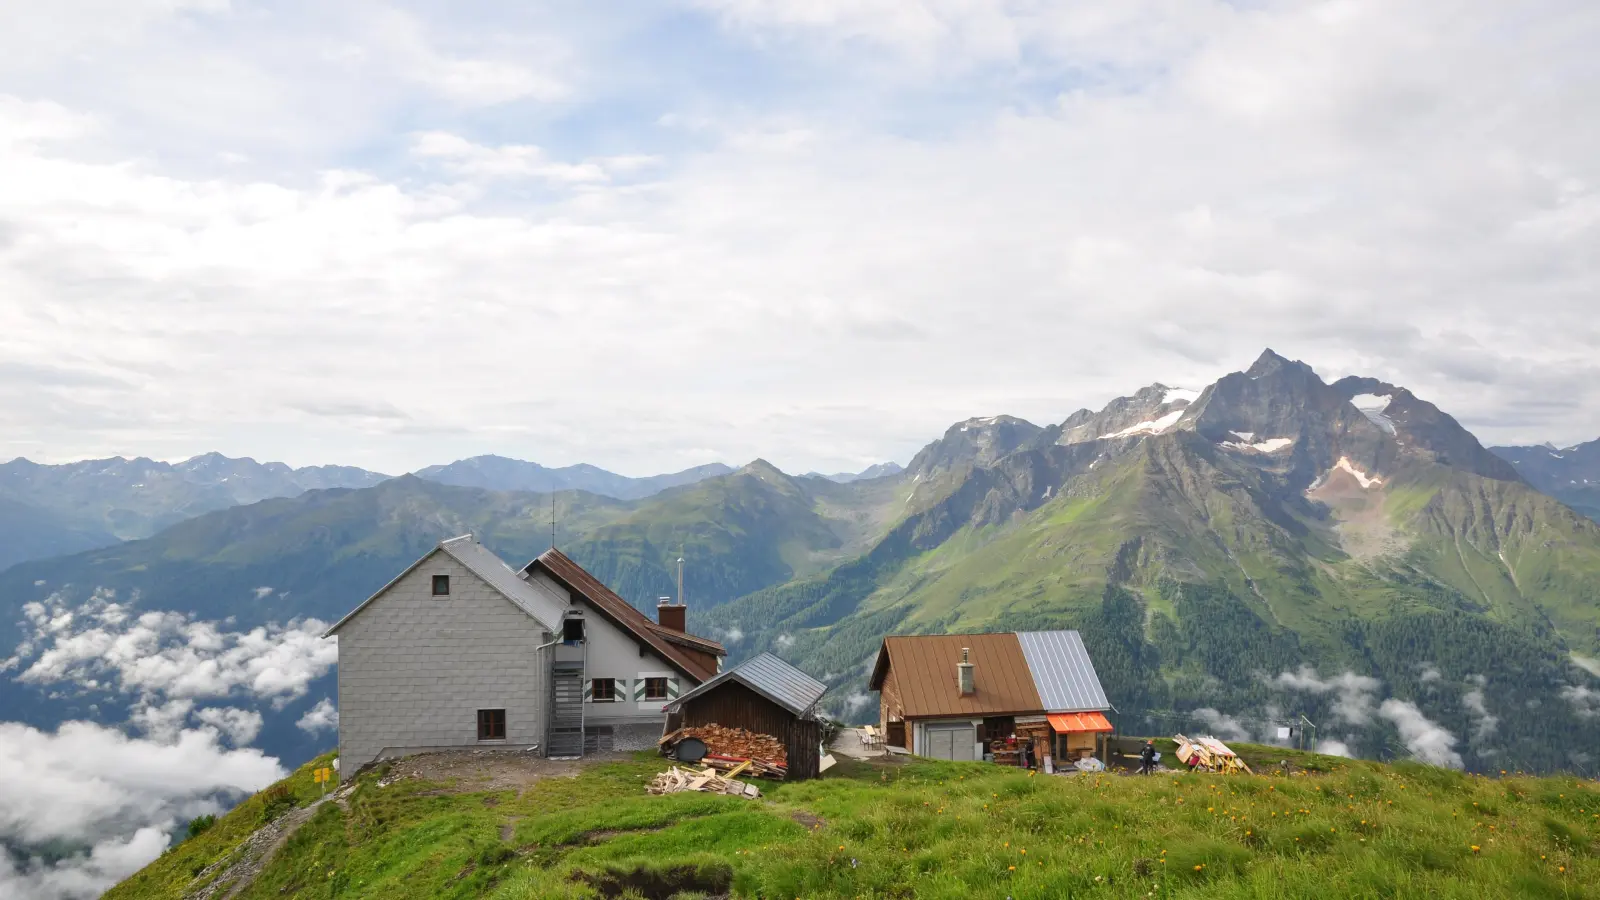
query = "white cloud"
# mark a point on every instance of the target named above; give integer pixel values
(1425, 739)
(116, 797)
(1484, 723)
(262, 592)
(1223, 726)
(733, 635)
(1356, 694)
(169, 656)
(1429, 673)
(1379, 184)
(1585, 701)
(856, 701)
(322, 717)
(240, 726)
(1592, 666)
(464, 158)
(1333, 747)
(783, 641)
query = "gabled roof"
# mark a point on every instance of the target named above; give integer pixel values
(770, 677)
(685, 639)
(1014, 673)
(477, 559)
(620, 612)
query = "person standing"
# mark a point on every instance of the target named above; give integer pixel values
(1147, 758)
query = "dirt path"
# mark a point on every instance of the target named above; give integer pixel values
(489, 771)
(239, 868)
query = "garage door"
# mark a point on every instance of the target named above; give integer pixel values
(948, 741)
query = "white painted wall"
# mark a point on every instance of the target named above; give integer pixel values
(414, 669)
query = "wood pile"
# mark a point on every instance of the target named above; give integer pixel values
(736, 745)
(1209, 754)
(709, 780)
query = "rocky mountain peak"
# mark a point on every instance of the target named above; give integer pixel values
(978, 441)
(1269, 363)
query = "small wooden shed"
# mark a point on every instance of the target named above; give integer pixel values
(764, 695)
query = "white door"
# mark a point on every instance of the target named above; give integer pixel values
(948, 742)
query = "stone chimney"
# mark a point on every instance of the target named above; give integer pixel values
(672, 615)
(964, 674)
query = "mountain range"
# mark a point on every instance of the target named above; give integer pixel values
(52, 510)
(1571, 475)
(1268, 546)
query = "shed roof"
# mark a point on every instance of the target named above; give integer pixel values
(925, 673)
(1062, 672)
(770, 677)
(477, 559)
(621, 613)
(1014, 673)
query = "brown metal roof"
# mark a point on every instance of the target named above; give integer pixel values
(693, 641)
(620, 612)
(925, 672)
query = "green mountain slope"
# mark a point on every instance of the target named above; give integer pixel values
(913, 830)
(1272, 526)
(30, 532)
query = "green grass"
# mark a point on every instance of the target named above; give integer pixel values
(930, 829)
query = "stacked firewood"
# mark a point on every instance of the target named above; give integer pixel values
(733, 743)
(675, 779)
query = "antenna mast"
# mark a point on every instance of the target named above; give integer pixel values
(680, 575)
(552, 520)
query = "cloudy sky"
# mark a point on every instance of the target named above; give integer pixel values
(649, 235)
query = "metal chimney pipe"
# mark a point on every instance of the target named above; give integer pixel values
(964, 678)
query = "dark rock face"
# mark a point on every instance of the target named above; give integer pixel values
(975, 442)
(1150, 410)
(1281, 398)
(1419, 426)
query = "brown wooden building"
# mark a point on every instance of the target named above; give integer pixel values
(764, 695)
(964, 696)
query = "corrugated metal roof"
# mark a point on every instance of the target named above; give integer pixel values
(621, 613)
(1062, 672)
(467, 551)
(772, 678)
(924, 667)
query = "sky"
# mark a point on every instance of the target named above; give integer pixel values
(652, 235)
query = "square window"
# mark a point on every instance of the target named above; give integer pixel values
(572, 631)
(441, 585)
(655, 689)
(603, 689)
(491, 724)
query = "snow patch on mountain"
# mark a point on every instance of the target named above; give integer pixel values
(1154, 426)
(1174, 395)
(1271, 445)
(1365, 480)
(1372, 406)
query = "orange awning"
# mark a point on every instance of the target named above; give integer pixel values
(1066, 723)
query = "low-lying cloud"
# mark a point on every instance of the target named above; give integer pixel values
(1425, 739)
(1356, 695)
(113, 797)
(1220, 724)
(1585, 701)
(159, 654)
(1484, 723)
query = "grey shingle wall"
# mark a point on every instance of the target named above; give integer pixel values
(415, 669)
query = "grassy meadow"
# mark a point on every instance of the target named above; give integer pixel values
(1336, 828)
